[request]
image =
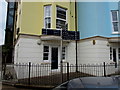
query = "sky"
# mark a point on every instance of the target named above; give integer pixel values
(3, 12)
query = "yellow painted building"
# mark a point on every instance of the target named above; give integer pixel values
(38, 33)
(31, 16)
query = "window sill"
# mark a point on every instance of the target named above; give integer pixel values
(45, 63)
(115, 32)
(112, 62)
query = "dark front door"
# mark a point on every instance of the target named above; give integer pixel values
(115, 57)
(54, 58)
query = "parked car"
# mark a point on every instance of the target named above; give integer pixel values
(91, 82)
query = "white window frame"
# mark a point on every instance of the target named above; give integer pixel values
(115, 32)
(60, 18)
(63, 53)
(111, 53)
(47, 16)
(46, 52)
(119, 53)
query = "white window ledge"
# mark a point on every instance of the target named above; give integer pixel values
(115, 32)
(45, 63)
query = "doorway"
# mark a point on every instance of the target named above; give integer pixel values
(115, 58)
(114, 55)
(54, 58)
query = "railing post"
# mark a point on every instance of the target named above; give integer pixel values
(61, 72)
(29, 73)
(104, 69)
(115, 64)
(67, 71)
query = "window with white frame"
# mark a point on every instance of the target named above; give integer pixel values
(47, 16)
(63, 52)
(119, 53)
(45, 52)
(61, 17)
(110, 53)
(115, 21)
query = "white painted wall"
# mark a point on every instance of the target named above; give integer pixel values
(27, 50)
(71, 53)
(89, 53)
(95, 54)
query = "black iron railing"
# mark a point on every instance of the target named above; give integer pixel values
(66, 35)
(43, 75)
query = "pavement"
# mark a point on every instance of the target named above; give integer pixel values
(15, 86)
(8, 87)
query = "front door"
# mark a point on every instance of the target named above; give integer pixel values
(54, 58)
(115, 56)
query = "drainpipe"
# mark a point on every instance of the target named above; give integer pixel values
(76, 38)
(61, 62)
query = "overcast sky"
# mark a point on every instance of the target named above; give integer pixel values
(3, 12)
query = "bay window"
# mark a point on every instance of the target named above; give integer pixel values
(61, 17)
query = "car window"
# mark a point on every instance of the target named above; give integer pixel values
(102, 81)
(75, 83)
(92, 82)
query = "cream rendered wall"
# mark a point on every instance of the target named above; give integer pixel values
(92, 54)
(71, 53)
(27, 50)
